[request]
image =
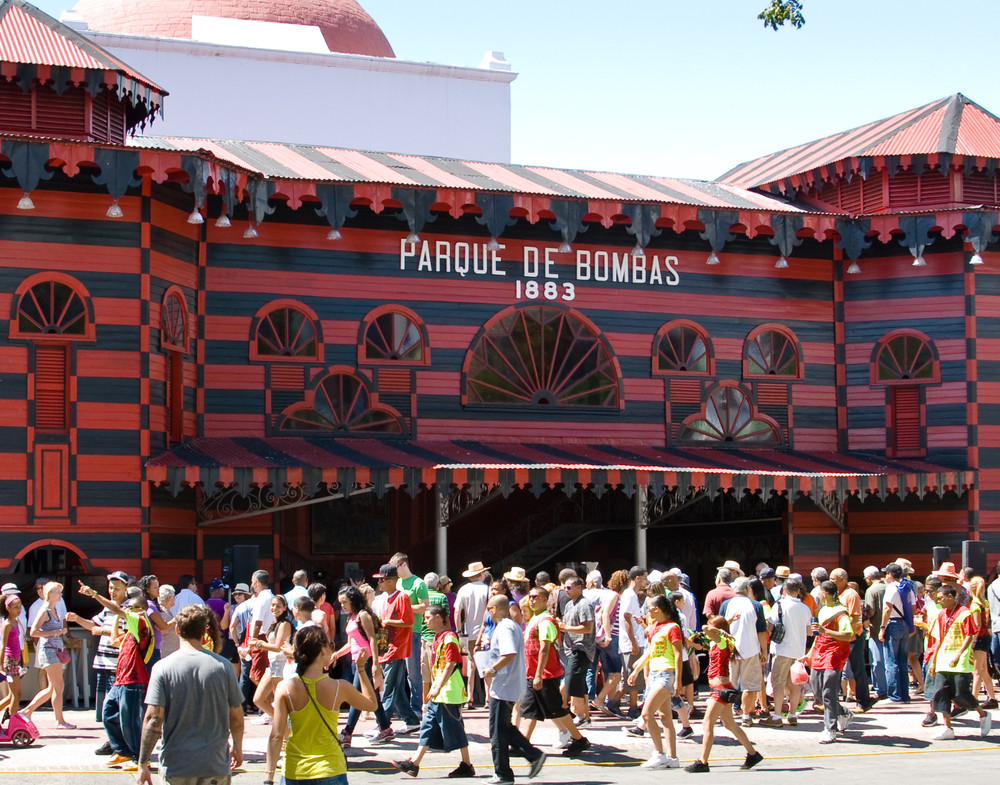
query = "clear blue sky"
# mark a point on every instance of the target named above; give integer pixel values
(690, 89)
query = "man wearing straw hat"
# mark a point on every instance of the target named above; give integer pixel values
(470, 607)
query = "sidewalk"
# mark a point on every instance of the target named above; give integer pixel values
(887, 728)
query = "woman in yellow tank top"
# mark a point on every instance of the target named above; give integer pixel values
(310, 701)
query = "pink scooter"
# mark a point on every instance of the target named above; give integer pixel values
(20, 731)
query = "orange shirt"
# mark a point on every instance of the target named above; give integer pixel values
(851, 600)
(810, 602)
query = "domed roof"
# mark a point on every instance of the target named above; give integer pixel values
(345, 25)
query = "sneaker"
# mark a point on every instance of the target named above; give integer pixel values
(408, 730)
(685, 733)
(844, 721)
(495, 780)
(576, 747)
(827, 737)
(373, 734)
(406, 766)
(130, 766)
(957, 712)
(263, 719)
(464, 770)
(697, 767)
(105, 749)
(985, 723)
(633, 730)
(613, 709)
(66, 726)
(582, 722)
(536, 766)
(930, 720)
(945, 734)
(633, 713)
(752, 760)
(695, 713)
(384, 737)
(564, 740)
(658, 760)
(991, 704)
(117, 760)
(771, 722)
(791, 719)
(747, 721)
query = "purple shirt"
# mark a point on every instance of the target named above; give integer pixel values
(218, 606)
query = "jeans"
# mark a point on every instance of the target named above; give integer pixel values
(897, 674)
(123, 710)
(592, 677)
(247, 687)
(877, 651)
(504, 736)
(102, 683)
(857, 660)
(826, 687)
(354, 714)
(415, 676)
(394, 698)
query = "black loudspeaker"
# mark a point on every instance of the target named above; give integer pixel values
(245, 561)
(974, 556)
(942, 553)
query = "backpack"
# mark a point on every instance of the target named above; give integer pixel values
(905, 597)
(381, 635)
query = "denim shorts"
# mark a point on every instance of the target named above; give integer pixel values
(662, 680)
(442, 728)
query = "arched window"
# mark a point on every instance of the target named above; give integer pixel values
(772, 350)
(286, 331)
(341, 404)
(173, 321)
(903, 361)
(905, 357)
(540, 355)
(52, 305)
(393, 334)
(730, 416)
(682, 347)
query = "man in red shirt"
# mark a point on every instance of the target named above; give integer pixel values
(397, 618)
(830, 651)
(543, 700)
(123, 706)
(722, 592)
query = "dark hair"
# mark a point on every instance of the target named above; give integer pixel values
(261, 576)
(438, 610)
(541, 578)
(895, 570)
(758, 589)
(948, 588)
(304, 603)
(793, 586)
(355, 599)
(503, 586)
(307, 645)
(144, 583)
(541, 591)
(182, 583)
(674, 596)
(669, 609)
(635, 572)
(283, 616)
(829, 587)
(718, 622)
(316, 590)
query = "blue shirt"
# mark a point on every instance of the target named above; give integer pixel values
(508, 684)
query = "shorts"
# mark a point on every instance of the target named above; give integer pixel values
(611, 660)
(663, 680)
(687, 675)
(441, 728)
(915, 645)
(577, 666)
(12, 666)
(47, 656)
(746, 673)
(426, 660)
(628, 662)
(781, 673)
(543, 704)
(949, 688)
(277, 666)
(229, 650)
(222, 779)
(982, 643)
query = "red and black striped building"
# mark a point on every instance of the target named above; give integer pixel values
(334, 354)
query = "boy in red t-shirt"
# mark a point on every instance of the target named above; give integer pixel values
(397, 618)
(830, 651)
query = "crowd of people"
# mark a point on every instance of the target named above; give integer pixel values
(179, 673)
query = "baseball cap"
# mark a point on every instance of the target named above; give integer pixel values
(217, 583)
(387, 571)
(118, 575)
(9, 588)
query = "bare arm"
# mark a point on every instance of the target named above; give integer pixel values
(236, 731)
(86, 591)
(278, 727)
(152, 727)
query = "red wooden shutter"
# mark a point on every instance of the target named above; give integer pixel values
(50, 388)
(906, 421)
(175, 396)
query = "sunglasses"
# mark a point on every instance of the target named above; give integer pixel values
(534, 596)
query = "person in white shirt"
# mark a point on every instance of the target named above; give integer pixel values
(750, 633)
(470, 609)
(632, 634)
(186, 593)
(796, 619)
(993, 597)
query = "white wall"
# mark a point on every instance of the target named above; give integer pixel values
(334, 100)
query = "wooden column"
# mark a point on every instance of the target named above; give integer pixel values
(441, 531)
(641, 524)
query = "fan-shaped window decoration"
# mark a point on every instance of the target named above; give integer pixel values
(173, 322)
(682, 347)
(542, 356)
(286, 331)
(905, 357)
(51, 308)
(393, 335)
(772, 350)
(341, 404)
(730, 416)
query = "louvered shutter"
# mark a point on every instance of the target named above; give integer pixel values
(50, 388)
(175, 397)
(906, 421)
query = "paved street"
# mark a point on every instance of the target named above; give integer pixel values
(889, 739)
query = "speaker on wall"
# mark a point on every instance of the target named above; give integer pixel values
(942, 553)
(974, 556)
(245, 561)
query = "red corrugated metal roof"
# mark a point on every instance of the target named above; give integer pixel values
(953, 125)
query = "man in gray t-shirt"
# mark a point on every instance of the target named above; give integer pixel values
(194, 700)
(508, 671)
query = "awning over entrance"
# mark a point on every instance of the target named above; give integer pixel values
(306, 463)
